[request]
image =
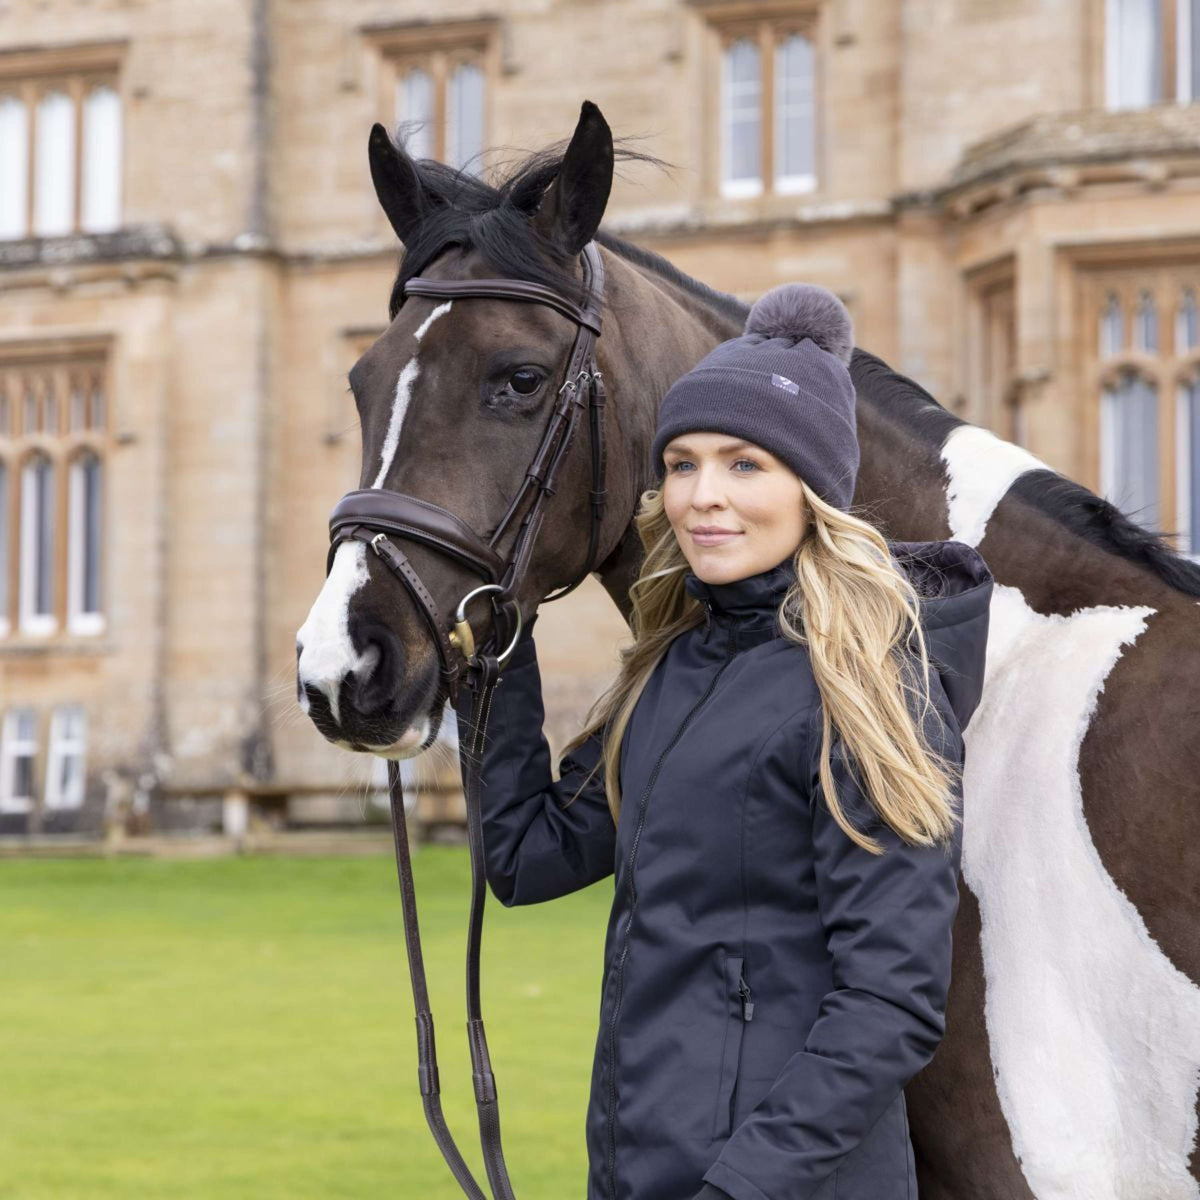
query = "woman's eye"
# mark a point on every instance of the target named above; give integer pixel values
(526, 381)
(678, 466)
(749, 462)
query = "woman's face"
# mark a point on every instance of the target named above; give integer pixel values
(735, 508)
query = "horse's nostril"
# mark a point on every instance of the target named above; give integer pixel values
(371, 686)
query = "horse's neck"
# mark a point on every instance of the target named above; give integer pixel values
(963, 490)
(654, 332)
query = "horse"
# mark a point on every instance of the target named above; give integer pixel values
(1071, 1058)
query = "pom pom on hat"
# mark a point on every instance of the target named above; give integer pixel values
(804, 310)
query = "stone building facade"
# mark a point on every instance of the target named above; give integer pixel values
(191, 257)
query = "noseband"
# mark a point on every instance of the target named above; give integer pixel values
(381, 518)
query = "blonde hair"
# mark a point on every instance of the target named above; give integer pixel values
(856, 612)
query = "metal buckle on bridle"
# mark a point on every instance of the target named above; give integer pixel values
(573, 385)
(463, 638)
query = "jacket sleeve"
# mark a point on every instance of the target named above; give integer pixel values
(538, 842)
(887, 921)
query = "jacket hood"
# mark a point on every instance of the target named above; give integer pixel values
(955, 589)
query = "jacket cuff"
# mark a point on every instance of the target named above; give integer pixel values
(709, 1192)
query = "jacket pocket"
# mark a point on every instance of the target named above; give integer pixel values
(739, 1006)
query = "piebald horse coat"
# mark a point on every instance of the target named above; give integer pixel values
(1071, 1061)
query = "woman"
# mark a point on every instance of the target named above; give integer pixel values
(774, 778)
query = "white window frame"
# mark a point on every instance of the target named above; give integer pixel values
(790, 185)
(422, 137)
(54, 184)
(14, 166)
(101, 137)
(1114, 94)
(63, 744)
(454, 155)
(13, 747)
(744, 188)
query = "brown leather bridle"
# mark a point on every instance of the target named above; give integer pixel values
(378, 518)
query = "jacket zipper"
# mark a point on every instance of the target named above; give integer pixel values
(620, 967)
(747, 1002)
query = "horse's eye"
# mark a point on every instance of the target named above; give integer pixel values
(525, 381)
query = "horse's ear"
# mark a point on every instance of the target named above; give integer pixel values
(574, 202)
(396, 183)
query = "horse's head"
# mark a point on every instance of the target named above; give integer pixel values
(453, 401)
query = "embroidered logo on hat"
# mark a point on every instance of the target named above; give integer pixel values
(782, 381)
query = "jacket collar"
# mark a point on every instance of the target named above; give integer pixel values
(951, 579)
(753, 599)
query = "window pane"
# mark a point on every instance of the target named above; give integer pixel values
(794, 108)
(29, 418)
(101, 160)
(1188, 466)
(54, 166)
(464, 116)
(1134, 53)
(1187, 332)
(99, 417)
(3, 546)
(414, 102)
(1112, 328)
(65, 760)
(84, 536)
(1146, 325)
(18, 751)
(37, 540)
(1187, 34)
(1129, 449)
(741, 104)
(14, 168)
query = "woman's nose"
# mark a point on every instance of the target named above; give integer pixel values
(707, 491)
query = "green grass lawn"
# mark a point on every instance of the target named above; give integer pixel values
(243, 1028)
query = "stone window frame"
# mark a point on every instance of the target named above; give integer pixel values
(768, 23)
(993, 351)
(70, 366)
(437, 48)
(1170, 368)
(31, 74)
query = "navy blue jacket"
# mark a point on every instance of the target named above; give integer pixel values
(769, 986)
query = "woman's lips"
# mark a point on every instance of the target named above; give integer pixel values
(713, 539)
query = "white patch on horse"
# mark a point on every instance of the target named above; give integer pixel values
(327, 654)
(982, 468)
(404, 386)
(1094, 1034)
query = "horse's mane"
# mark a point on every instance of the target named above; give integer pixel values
(493, 219)
(1085, 514)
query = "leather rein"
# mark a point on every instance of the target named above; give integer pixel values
(380, 519)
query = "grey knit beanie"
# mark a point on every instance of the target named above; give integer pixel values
(784, 385)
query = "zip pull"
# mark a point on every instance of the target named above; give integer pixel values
(707, 615)
(747, 1003)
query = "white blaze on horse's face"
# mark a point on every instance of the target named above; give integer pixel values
(327, 655)
(404, 387)
(1094, 1033)
(326, 652)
